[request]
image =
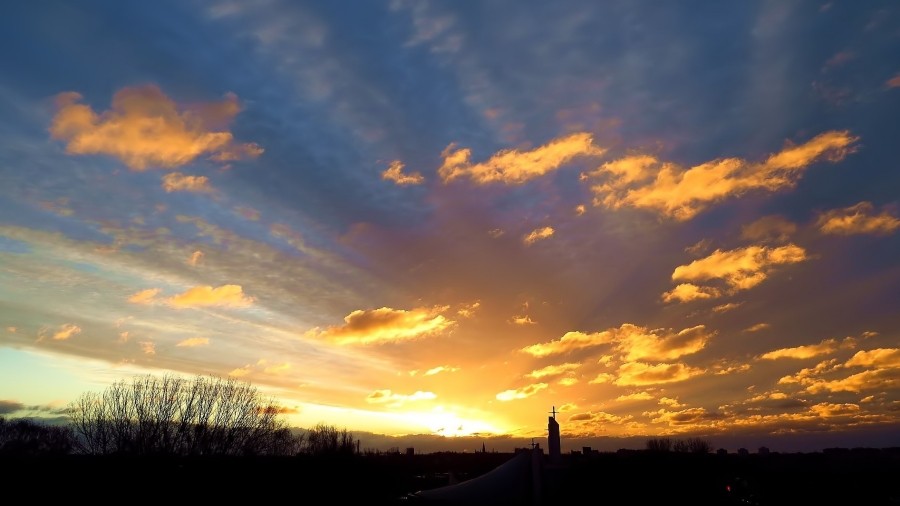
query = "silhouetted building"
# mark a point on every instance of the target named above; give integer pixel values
(553, 443)
(763, 450)
(743, 451)
(721, 451)
(410, 451)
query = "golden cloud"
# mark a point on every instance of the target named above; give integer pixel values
(553, 370)
(147, 296)
(600, 417)
(203, 296)
(439, 369)
(772, 228)
(603, 377)
(521, 393)
(568, 381)
(806, 374)
(640, 373)
(727, 307)
(668, 401)
(538, 234)
(146, 128)
(193, 342)
(395, 173)
(568, 342)
(757, 327)
(644, 182)
(881, 358)
(857, 219)
(178, 182)
(637, 396)
(830, 410)
(195, 258)
(639, 343)
(468, 310)
(516, 167)
(686, 292)
(809, 351)
(522, 320)
(148, 347)
(878, 379)
(394, 399)
(386, 325)
(741, 268)
(689, 416)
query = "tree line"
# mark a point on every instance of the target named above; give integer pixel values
(173, 416)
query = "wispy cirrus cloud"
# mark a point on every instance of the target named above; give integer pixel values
(62, 333)
(520, 393)
(145, 128)
(644, 182)
(193, 342)
(394, 173)
(857, 219)
(386, 325)
(825, 347)
(553, 370)
(198, 296)
(393, 399)
(516, 167)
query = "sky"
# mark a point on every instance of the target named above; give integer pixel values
(451, 218)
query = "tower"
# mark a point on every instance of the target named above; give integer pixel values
(553, 438)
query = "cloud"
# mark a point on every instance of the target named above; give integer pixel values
(65, 332)
(689, 416)
(516, 167)
(580, 209)
(568, 381)
(826, 409)
(686, 292)
(386, 325)
(395, 173)
(632, 341)
(147, 296)
(468, 310)
(568, 342)
(893, 82)
(600, 417)
(194, 259)
(148, 347)
(826, 347)
(881, 358)
(395, 400)
(640, 373)
(193, 342)
(699, 248)
(772, 228)
(757, 327)
(538, 234)
(205, 296)
(145, 128)
(439, 369)
(644, 182)
(740, 269)
(521, 393)
(857, 219)
(637, 396)
(553, 370)
(178, 182)
(12, 330)
(522, 320)
(9, 407)
(601, 378)
(668, 401)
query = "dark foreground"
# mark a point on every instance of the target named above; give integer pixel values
(852, 477)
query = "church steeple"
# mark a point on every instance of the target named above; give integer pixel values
(553, 443)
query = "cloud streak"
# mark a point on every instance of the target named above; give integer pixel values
(386, 325)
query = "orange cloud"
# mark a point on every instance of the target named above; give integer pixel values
(568, 342)
(882, 358)
(520, 393)
(640, 373)
(386, 325)
(644, 182)
(468, 310)
(809, 351)
(553, 370)
(857, 219)
(757, 327)
(538, 235)
(203, 296)
(637, 396)
(439, 369)
(146, 128)
(727, 307)
(580, 209)
(516, 167)
(632, 341)
(769, 229)
(741, 268)
(893, 82)
(148, 347)
(178, 182)
(830, 410)
(522, 320)
(193, 342)
(147, 296)
(395, 399)
(686, 292)
(599, 417)
(395, 173)
(689, 416)
(568, 381)
(66, 331)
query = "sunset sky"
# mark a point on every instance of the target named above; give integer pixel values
(445, 218)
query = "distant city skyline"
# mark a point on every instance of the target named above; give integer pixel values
(428, 219)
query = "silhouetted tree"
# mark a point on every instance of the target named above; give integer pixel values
(661, 444)
(326, 439)
(171, 415)
(692, 445)
(25, 437)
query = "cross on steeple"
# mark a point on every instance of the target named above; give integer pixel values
(553, 412)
